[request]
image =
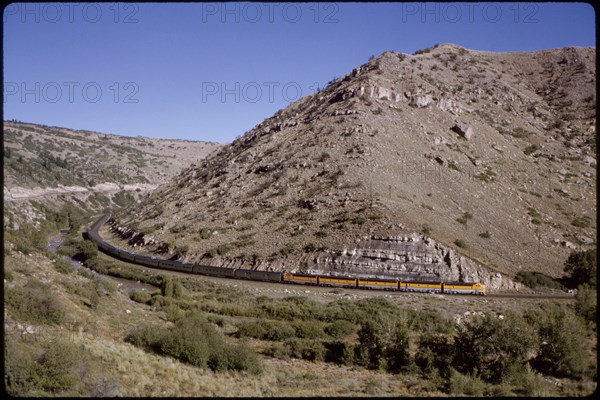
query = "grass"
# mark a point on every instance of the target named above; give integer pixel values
(531, 149)
(487, 175)
(464, 218)
(460, 243)
(581, 222)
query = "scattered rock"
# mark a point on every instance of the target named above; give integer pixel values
(464, 130)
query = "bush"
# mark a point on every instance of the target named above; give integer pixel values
(580, 268)
(340, 352)
(140, 296)
(35, 303)
(531, 149)
(493, 346)
(530, 384)
(435, 354)
(383, 344)
(460, 243)
(340, 329)
(58, 366)
(586, 303)
(312, 350)
(86, 250)
(254, 329)
(468, 384)
(56, 369)
(464, 218)
(309, 329)
(485, 235)
(562, 342)
(279, 331)
(195, 341)
(62, 266)
(535, 279)
(581, 222)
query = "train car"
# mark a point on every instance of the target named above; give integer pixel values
(338, 281)
(126, 255)
(380, 284)
(213, 271)
(426, 287)
(464, 288)
(301, 279)
(349, 282)
(258, 275)
(174, 265)
(147, 261)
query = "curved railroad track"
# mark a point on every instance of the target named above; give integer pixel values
(459, 289)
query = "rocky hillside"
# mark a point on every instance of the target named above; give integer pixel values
(91, 170)
(448, 163)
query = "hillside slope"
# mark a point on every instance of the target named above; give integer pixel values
(89, 170)
(447, 164)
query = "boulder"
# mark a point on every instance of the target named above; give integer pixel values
(463, 129)
(591, 161)
(421, 100)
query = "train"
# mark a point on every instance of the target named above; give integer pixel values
(353, 282)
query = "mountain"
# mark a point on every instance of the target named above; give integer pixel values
(89, 170)
(449, 164)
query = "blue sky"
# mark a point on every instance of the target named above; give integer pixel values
(212, 71)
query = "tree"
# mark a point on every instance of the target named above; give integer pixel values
(586, 303)
(166, 287)
(580, 268)
(562, 341)
(383, 344)
(87, 250)
(436, 353)
(495, 347)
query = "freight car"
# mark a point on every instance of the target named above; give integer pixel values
(269, 276)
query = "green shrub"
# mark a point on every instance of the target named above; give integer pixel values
(530, 384)
(312, 350)
(531, 149)
(460, 243)
(253, 329)
(195, 341)
(87, 250)
(383, 344)
(493, 346)
(140, 296)
(340, 352)
(340, 329)
(35, 303)
(535, 279)
(435, 354)
(562, 341)
(279, 331)
(464, 218)
(485, 235)
(581, 222)
(55, 369)
(586, 301)
(289, 248)
(62, 266)
(581, 268)
(309, 329)
(468, 384)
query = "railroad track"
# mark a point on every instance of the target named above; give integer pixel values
(459, 289)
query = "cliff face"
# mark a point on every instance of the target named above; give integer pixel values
(484, 162)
